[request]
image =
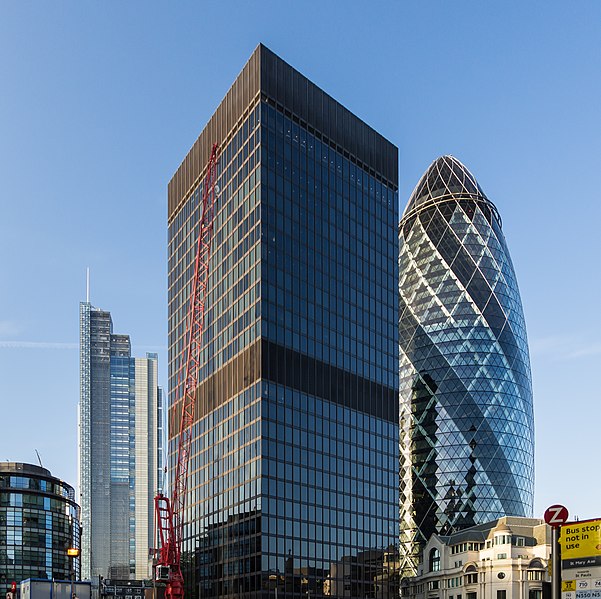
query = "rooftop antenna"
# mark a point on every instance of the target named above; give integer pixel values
(39, 458)
(88, 285)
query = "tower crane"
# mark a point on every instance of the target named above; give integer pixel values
(169, 513)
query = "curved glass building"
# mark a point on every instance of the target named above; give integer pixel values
(39, 521)
(466, 413)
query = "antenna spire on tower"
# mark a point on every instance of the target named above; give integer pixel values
(88, 285)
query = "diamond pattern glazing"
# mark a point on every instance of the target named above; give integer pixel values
(466, 411)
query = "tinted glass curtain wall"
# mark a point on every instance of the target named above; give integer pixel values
(293, 476)
(39, 520)
(466, 411)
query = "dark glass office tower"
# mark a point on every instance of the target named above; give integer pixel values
(293, 476)
(466, 416)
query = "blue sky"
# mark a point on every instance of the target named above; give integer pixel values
(101, 101)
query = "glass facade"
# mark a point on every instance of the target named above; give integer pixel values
(466, 410)
(119, 450)
(294, 466)
(39, 521)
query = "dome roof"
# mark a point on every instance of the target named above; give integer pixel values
(445, 177)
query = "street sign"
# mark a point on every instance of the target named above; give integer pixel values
(556, 515)
(581, 559)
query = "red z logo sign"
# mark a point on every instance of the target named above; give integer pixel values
(556, 515)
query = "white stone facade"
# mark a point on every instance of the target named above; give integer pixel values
(504, 559)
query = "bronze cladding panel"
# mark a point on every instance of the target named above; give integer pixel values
(297, 97)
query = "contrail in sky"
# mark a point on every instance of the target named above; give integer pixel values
(37, 345)
(60, 345)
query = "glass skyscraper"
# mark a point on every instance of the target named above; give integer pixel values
(294, 466)
(466, 412)
(119, 450)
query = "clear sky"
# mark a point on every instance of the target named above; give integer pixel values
(100, 102)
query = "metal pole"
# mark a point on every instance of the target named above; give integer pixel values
(556, 564)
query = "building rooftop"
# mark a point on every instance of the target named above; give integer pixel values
(483, 531)
(268, 77)
(446, 178)
(22, 468)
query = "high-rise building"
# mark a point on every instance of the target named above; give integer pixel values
(466, 413)
(294, 465)
(119, 450)
(39, 521)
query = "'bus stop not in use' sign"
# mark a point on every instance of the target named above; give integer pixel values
(581, 560)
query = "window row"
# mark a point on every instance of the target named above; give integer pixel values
(284, 129)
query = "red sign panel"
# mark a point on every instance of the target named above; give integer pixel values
(556, 515)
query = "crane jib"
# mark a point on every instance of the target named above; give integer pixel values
(169, 512)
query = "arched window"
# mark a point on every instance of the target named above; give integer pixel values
(536, 570)
(471, 574)
(434, 560)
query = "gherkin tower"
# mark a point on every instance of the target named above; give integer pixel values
(466, 411)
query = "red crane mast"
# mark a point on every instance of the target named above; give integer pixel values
(170, 513)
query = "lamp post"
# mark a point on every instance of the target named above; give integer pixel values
(72, 552)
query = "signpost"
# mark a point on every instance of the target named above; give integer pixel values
(581, 559)
(72, 552)
(555, 516)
